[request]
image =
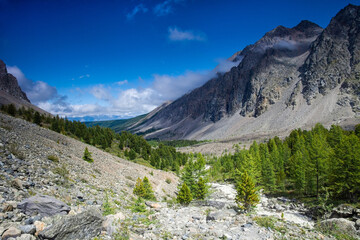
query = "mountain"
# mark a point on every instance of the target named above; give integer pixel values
(127, 124)
(290, 78)
(9, 84)
(10, 91)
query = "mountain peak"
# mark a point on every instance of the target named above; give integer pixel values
(2, 68)
(306, 25)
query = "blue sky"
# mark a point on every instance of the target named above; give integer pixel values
(95, 59)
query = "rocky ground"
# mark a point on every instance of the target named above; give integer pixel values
(48, 192)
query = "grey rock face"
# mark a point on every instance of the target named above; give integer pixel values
(85, 225)
(335, 55)
(43, 205)
(9, 84)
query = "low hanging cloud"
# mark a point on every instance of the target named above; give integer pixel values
(137, 9)
(176, 34)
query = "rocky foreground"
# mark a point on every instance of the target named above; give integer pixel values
(48, 192)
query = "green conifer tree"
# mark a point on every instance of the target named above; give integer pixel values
(184, 197)
(87, 156)
(11, 109)
(246, 193)
(148, 191)
(37, 118)
(201, 189)
(139, 189)
(132, 154)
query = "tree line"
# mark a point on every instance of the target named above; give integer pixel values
(306, 163)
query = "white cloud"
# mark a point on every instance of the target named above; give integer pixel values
(122, 82)
(176, 34)
(100, 92)
(37, 91)
(137, 9)
(113, 102)
(166, 7)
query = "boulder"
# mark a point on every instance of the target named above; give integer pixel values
(40, 226)
(16, 183)
(357, 224)
(85, 225)
(342, 211)
(26, 237)
(339, 225)
(109, 225)
(44, 205)
(28, 229)
(12, 232)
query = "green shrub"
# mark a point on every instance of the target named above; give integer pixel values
(168, 180)
(107, 208)
(138, 206)
(62, 171)
(53, 158)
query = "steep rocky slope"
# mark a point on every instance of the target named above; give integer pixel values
(290, 78)
(26, 169)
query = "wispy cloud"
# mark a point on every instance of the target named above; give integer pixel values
(84, 76)
(122, 82)
(176, 34)
(137, 9)
(166, 7)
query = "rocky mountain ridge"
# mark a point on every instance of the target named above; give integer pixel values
(295, 71)
(9, 84)
(11, 93)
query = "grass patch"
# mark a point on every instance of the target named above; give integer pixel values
(15, 150)
(53, 158)
(168, 180)
(266, 222)
(62, 171)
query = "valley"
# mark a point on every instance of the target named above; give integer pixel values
(268, 149)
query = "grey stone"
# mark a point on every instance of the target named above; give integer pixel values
(214, 204)
(357, 224)
(43, 205)
(85, 225)
(12, 232)
(342, 211)
(28, 229)
(339, 224)
(219, 215)
(26, 237)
